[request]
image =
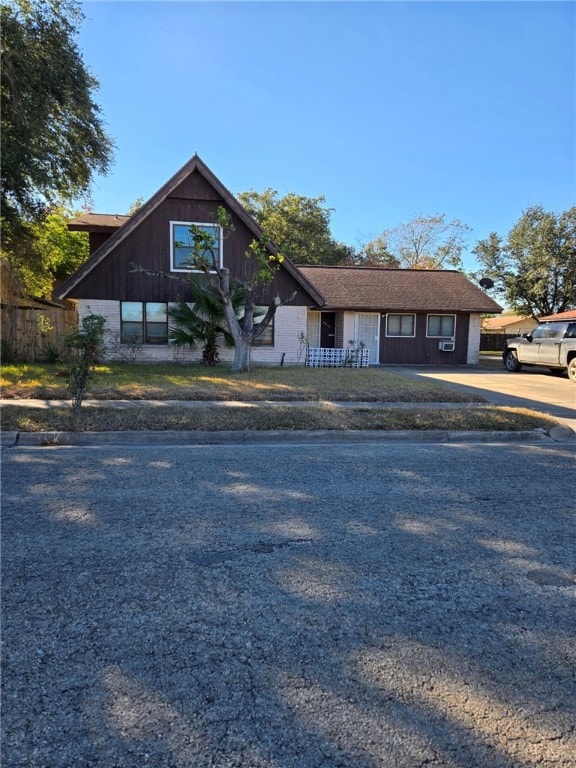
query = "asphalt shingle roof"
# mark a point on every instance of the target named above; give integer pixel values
(374, 289)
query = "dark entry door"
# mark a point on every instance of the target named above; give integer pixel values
(327, 330)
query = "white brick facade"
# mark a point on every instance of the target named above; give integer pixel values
(474, 328)
(289, 325)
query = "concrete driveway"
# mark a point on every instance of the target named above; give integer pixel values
(535, 388)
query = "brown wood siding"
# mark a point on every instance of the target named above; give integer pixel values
(421, 350)
(148, 246)
(96, 239)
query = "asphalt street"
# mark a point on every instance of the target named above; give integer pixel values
(285, 606)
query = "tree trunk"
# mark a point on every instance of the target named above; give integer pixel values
(242, 348)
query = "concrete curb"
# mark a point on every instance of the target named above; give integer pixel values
(57, 439)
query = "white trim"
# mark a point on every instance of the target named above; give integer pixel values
(195, 224)
(441, 314)
(400, 335)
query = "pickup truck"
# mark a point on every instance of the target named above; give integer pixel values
(552, 344)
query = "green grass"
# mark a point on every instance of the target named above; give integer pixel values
(326, 417)
(119, 381)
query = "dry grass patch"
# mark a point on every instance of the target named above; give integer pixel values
(174, 381)
(215, 419)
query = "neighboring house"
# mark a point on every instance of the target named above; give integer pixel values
(402, 316)
(570, 315)
(511, 325)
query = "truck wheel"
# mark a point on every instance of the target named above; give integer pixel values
(572, 370)
(511, 361)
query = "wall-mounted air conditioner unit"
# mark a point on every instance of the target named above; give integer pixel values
(447, 346)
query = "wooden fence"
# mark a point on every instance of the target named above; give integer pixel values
(495, 342)
(32, 331)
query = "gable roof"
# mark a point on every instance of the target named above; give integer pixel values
(375, 288)
(97, 222)
(489, 323)
(569, 315)
(132, 222)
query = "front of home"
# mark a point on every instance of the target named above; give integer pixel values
(139, 265)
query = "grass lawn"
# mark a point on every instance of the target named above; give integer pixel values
(195, 382)
(324, 417)
(121, 381)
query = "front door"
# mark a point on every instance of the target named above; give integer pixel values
(368, 331)
(328, 330)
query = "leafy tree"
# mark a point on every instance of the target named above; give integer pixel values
(52, 134)
(204, 322)
(376, 254)
(261, 267)
(47, 251)
(534, 268)
(424, 242)
(299, 225)
(53, 139)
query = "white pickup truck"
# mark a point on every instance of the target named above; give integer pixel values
(552, 344)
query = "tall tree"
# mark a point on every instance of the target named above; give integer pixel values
(424, 242)
(534, 268)
(299, 225)
(261, 266)
(52, 135)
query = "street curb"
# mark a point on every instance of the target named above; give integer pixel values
(57, 439)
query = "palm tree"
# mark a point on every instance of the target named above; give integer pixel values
(204, 322)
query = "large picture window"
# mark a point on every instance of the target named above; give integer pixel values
(441, 326)
(144, 321)
(401, 325)
(182, 241)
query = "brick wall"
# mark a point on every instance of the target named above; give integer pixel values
(289, 323)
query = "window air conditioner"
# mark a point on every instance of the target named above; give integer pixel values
(447, 346)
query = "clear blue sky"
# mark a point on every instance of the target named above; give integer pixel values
(387, 108)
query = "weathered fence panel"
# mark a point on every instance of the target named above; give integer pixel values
(494, 342)
(34, 332)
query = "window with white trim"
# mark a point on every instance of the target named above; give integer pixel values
(144, 321)
(182, 245)
(441, 326)
(401, 325)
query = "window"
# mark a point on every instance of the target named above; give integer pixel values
(553, 331)
(182, 245)
(266, 338)
(146, 322)
(441, 325)
(400, 325)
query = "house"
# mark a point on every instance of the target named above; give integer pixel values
(511, 325)
(115, 280)
(402, 316)
(569, 315)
